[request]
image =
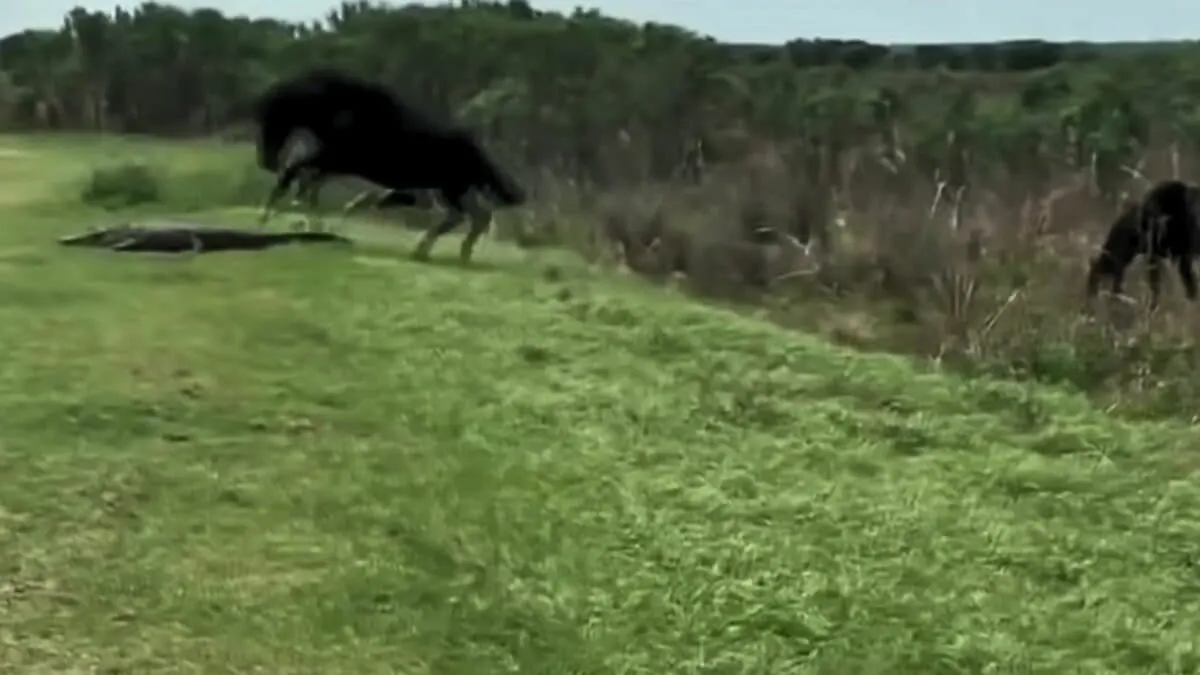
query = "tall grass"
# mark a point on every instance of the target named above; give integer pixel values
(983, 276)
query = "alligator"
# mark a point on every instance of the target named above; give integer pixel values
(175, 239)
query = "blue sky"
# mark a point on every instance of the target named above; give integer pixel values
(780, 20)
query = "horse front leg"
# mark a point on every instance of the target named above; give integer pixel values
(1154, 278)
(370, 195)
(282, 183)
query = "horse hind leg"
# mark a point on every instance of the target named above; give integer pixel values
(314, 216)
(1154, 279)
(454, 217)
(1187, 275)
(481, 221)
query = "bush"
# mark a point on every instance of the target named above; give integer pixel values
(133, 184)
(122, 185)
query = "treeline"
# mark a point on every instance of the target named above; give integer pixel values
(1013, 56)
(565, 91)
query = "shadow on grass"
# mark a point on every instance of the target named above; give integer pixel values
(376, 255)
(29, 297)
(455, 263)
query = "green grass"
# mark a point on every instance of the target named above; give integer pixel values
(319, 461)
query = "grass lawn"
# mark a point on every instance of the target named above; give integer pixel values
(346, 462)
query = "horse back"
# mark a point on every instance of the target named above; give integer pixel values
(329, 100)
(1169, 219)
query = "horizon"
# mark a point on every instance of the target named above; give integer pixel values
(769, 22)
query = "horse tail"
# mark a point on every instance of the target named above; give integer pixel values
(490, 177)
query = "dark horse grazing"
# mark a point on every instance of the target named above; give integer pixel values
(362, 130)
(1163, 225)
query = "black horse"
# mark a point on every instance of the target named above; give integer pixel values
(321, 106)
(452, 165)
(363, 130)
(1163, 225)
(326, 104)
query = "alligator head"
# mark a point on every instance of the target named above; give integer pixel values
(101, 237)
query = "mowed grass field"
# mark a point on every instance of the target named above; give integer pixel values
(342, 461)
